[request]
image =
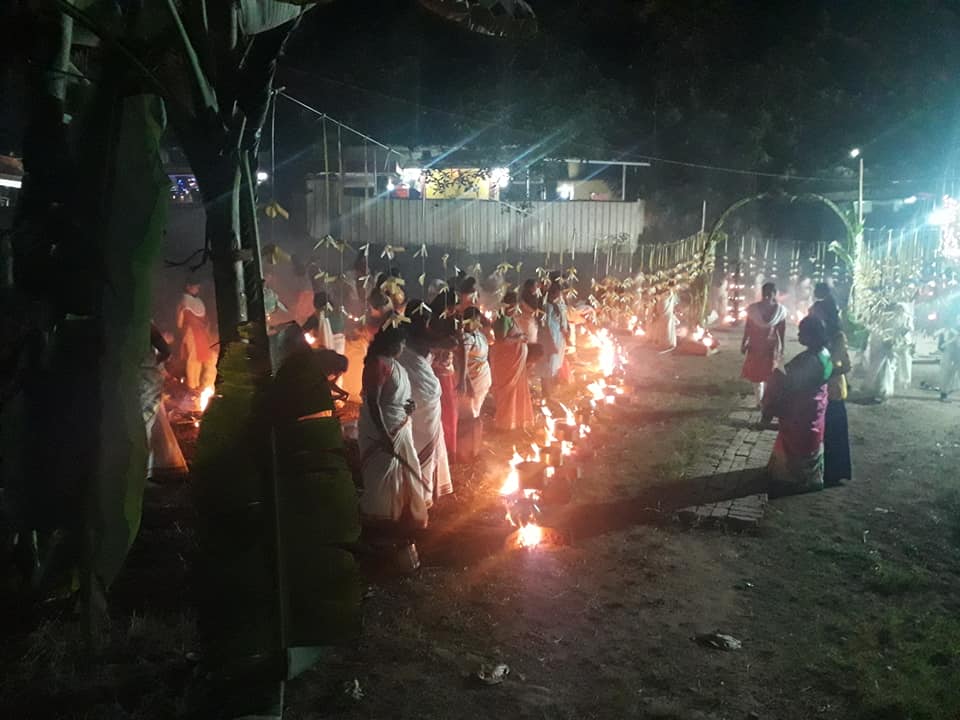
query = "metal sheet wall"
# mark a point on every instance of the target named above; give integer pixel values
(477, 226)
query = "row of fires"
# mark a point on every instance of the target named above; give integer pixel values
(549, 469)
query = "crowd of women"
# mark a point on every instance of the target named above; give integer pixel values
(423, 370)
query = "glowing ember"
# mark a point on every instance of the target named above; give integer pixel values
(205, 398)
(309, 337)
(529, 536)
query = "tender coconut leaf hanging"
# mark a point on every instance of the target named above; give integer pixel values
(274, 255)
(500, 18)
(259, 16)
(275, 210)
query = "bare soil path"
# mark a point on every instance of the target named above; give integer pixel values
(847, 601)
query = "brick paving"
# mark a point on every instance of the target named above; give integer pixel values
(730, 472)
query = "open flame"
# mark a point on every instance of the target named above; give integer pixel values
(551, 426)
(597, 390)
(529, 535)
(608, 352)
(205, 396)
(310, 338)
(568, 417)
(511, 485)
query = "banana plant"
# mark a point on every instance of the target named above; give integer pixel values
(87, 232)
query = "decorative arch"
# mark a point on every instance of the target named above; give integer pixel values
(849, 224)
(848, 253)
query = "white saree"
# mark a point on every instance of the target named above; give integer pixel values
(427, 423)
(391, 472)
(479, 380)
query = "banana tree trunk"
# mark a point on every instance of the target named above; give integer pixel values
(234, 471)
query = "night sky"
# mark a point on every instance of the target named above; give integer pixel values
(774, 87)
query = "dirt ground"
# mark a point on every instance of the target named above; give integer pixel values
(847, 601)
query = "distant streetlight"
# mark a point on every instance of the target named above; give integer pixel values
(856, 154)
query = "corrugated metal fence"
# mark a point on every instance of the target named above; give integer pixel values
(479, 226)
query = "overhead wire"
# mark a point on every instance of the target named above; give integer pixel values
(496, 122)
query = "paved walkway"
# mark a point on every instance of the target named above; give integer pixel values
(731, 473)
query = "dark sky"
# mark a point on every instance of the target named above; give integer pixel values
(773, 86)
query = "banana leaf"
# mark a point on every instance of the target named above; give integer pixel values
(129, 249)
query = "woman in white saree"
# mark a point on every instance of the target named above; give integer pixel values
(425, 390)
(394, 497)
(476, 354)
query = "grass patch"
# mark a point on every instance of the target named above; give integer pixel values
(879, 576)
(888, 579)
(903, 666)
(950, 502)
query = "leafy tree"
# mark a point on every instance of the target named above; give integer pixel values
(106, 78)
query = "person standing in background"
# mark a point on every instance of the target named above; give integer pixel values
(948, 342)
(476, 357)
(508, 365)
(530, 311)
(763, 339)
(553, 338)
(195, 342)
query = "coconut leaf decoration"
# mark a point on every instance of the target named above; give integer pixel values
(499, 18)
